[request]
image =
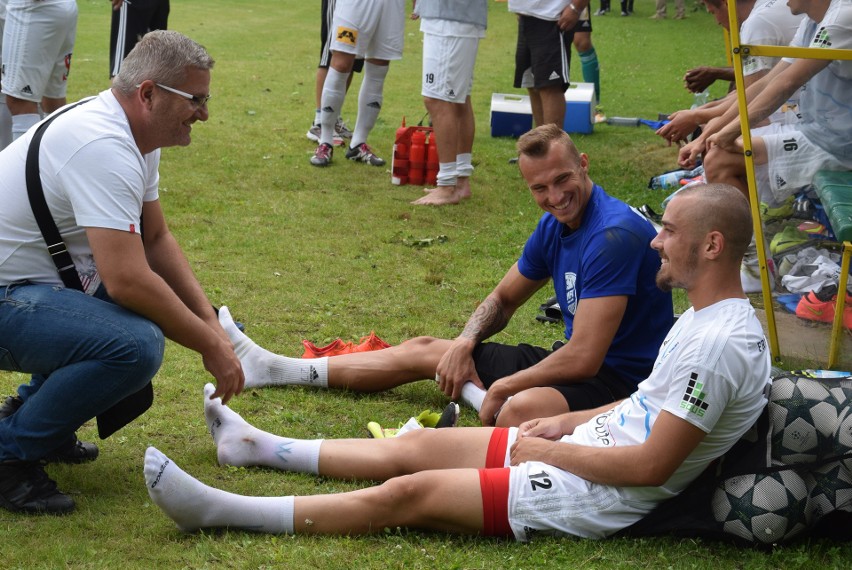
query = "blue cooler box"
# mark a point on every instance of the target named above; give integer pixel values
(511, 115)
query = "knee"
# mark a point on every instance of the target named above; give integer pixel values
(145, 345)
(419, 343)
(719, 165)
(398, 500)
(529, 405)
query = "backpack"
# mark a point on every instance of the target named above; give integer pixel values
(789, 476)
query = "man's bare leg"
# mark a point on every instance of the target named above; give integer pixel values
(415, 359)
(446, 130)
(445, 500)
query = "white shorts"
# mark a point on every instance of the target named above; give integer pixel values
(549, 501)
(448, 67)
(38, 41)
(369, 28)
(792, 161)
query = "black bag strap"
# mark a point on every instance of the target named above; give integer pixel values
(55, 245)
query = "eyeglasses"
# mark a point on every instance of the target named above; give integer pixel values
(198, 101)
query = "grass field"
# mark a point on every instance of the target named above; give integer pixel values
(303, 253)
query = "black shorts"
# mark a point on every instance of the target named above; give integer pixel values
(494, 361)
(542, 55)
(325, 40)
(584, 23)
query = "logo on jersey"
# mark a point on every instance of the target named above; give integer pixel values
(570, 292)
(821, 39)
(602, 429)
(347, 35)
(693, 398)
(780, 182)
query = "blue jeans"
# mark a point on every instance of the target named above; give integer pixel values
(85, 353)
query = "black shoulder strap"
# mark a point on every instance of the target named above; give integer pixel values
(55, 245)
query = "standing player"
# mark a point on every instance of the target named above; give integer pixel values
(542, 56)
(341, 131)
(5, 116)
(38, 40)
(131, 21)
(451, 34)
(373, 29)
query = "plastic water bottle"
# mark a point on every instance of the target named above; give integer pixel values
(700, 99)
(417, 154)
(669, 180)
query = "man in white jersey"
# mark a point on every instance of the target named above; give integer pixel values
(369, 29)
(90, 350)
(38, 41)
(451, 34)
(787, 157)
(587, 474)
(763, 22)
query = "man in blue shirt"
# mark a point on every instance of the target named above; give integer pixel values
(596, 250)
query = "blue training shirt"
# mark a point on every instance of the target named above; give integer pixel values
(608, 255)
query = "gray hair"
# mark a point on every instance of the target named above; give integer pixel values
(163, 56)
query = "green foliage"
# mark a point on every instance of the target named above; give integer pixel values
(303, 253)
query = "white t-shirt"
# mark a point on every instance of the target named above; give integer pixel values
(770, 24)
(541, 9)
(825, 103)
(93, 176)
(713, 370)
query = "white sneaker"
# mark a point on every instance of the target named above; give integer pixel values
(316, 130)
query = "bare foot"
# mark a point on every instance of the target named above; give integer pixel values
(439, 196)
(463, 187)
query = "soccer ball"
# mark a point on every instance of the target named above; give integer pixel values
(806, 415)
(763, 508)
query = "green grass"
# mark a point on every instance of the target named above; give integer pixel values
(301, 253)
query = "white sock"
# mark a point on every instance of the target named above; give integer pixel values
(241, 444)
(333, 95)
(193, 505)
(472, 395)
(447, 175)
(317, 117)
(464, 168)
(5, 124)
(369, 101)
(22, 123)
(264, 368)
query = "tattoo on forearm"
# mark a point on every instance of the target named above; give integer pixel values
(487, 320)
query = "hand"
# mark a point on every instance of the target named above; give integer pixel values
(532, 449)
(222, 363)
(116, 4)
(688, 154)
(699, 79)
(456, 368)
(567, 19)
(495, 399)
(546, 428)
(681, 125)
(728, 139)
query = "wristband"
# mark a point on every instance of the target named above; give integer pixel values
(571, 5)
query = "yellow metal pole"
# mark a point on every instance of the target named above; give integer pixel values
(737, 52)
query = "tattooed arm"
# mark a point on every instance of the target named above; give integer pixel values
(490, 317)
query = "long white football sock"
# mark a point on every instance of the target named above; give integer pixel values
(22, 123)
(472, 395)
(369, 101)
(264, 368)
(241, 444)
(331, 103)
(193, 505)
